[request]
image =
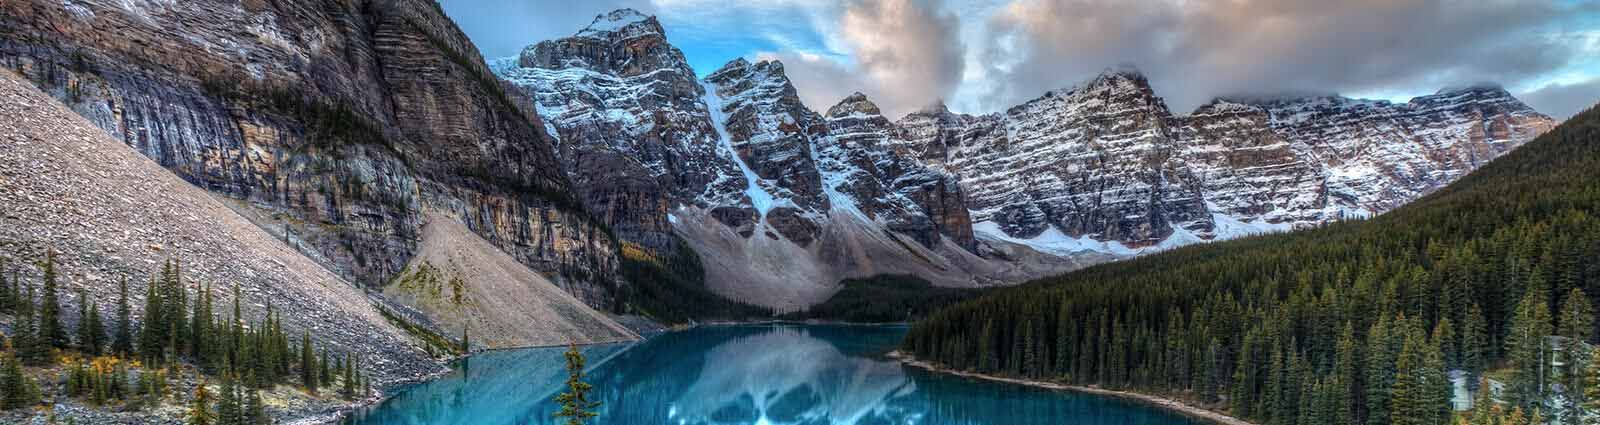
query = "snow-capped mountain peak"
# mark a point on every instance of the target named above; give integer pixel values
(627, 22)
(771, 193)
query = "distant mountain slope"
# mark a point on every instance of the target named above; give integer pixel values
(779, 202)
(463, 282)
(1098, 171)
(1105, 166)
(1216, 321)
(111, 213)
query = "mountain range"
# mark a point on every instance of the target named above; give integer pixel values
(373, 140)
(781, 201)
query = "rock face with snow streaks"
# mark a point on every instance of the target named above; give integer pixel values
(654, 150)
(1104, 166)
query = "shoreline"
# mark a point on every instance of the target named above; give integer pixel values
(381, 394)
(1171, 405)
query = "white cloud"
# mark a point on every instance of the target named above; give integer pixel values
(903, 54)
(1193, 50)
(1562, 101)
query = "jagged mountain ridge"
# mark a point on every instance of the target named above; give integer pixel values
(1130, 176)
(1100, 168)
(766, 190)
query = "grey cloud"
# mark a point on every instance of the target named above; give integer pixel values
(907, 54)
(502, 28)
(1562, 101)
(820, 82)
(1195, 50)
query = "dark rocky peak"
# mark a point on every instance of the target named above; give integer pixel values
(737, 65)
(1226, 106)
(767, 71)
(1481, 88)
(1482, 93)
(624, 42)
(1125, 78)
(1117, 91)
(856, 105)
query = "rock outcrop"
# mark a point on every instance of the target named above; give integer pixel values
(779, 201)
(334, 124)
(111, 214)
(1105, 167)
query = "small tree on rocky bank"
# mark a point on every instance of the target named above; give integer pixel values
(575, 404)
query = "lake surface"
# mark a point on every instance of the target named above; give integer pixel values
(746, 375)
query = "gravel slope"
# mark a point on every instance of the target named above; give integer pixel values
(111, 212)
(458, 279)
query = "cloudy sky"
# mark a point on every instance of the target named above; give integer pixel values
(982, 56)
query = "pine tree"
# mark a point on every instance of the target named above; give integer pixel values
(5, 289)
(1408, 405)
(1438, 390)
(326, 369)
(1381, 370)
(1476, 349)
(200, 326)
(122, 342)
(1527, 349)
(50, 328)
(348, 391)
(84, 341)
(575, 403)
(308, 363)
(200, 408)
(1347, 375)
(1591, 391)
(17, 390)
(986, 357)
(32, 348)
(151, 337)
(255, 412)
(1576, 328)
(229, 407)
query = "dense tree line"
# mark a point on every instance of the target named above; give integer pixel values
(132, 362)
(1357, 322)
(884, 299)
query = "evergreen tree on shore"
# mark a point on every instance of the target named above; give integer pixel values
(576, 406)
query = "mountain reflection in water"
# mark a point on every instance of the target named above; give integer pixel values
(745, 375)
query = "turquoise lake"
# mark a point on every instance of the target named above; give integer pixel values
(745, 375)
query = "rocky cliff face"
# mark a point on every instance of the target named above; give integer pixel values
(643, 136)
(110, 215)
(735, 164)
(334, 124)
(865, 176)
(1105, 167)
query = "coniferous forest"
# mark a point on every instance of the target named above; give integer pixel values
(117, 359)
(1489, 282)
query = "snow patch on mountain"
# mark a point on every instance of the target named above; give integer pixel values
(1052, 241)
(759, 197)
(621, 20)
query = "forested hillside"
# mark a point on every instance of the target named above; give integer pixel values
(1352, 323)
